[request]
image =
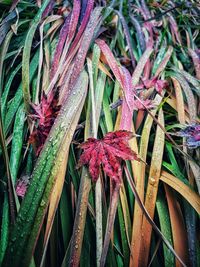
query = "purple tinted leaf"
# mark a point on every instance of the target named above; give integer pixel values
(196, 61)
(149, 27)
(128, 102)
(128, 38)
(192, 134)
(90, 4)
(81, 43)
(14, 4)
(140, 34)
(59, 48)
(84, 4)
(145, 10)
(66, 35)
(192, 143)
(85, 44)
(74, 19)
(48, 9)
(84, 22)
(193, 130)
(174, 28)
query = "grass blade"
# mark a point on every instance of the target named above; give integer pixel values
(178, 227)
(149, 218)
(26, 56)
(152, 189)
(138, 215)
(191, 196)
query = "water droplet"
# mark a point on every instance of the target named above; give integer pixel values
(62, 125)
(42, 203)
(152, 181)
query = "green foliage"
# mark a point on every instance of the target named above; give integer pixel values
(65, 219)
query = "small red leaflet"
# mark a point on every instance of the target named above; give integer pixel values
(22, 185)
(155, 82)
(44, 114)
(108, 153)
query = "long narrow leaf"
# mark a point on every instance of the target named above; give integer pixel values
(41, 182)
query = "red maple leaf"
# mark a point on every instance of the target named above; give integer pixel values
(44, 114)
(108, 153)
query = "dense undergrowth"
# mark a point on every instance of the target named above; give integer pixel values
(73, 70)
